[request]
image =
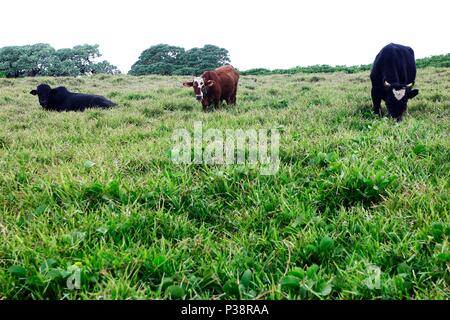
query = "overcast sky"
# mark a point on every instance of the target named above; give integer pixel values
(270, 34)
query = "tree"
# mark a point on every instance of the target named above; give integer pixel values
(159, 59)
(207, 58)
(34, 59)
(25, 61)
(58, 68)
(83, 57)
(185, 71)
(8, 61)
(104, 67)
(164, 59)
(42, 59)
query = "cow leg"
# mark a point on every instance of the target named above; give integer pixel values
(233, 99)
(376, 100)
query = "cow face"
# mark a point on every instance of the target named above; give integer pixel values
(397, 98)
(201, 87)
(43, 92)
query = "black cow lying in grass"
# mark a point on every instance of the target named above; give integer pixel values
(61, 99)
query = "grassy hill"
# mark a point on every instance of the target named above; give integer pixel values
(359, 208)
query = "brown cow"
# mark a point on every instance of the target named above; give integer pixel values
(214, 86)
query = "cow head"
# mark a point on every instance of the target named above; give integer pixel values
(397, 98)
(201, 87)
(43, 93)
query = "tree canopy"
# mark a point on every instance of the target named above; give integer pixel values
(165, 59)
(43, 60)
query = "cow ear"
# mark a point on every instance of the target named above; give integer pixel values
(33, 92)
(413, 93)
(188, 84)
(210, 83)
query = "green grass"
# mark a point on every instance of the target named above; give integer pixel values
(359, 208)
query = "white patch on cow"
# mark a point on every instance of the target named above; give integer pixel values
(200, 83)
(399, 94)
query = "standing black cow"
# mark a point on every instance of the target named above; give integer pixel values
(61, 99)
(393, 75)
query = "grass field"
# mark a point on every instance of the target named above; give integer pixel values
(359, 208)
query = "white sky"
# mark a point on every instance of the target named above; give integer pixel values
(270, 34)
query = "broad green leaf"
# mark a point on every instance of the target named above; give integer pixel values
(290, 282)
(297, 272)
(53, 274)
(17, 270)
(312, 271)
(325, 289)
(175, 292)
(246, 278)
(326, 244)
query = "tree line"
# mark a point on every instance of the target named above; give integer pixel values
(41, 59)
(433, 61)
